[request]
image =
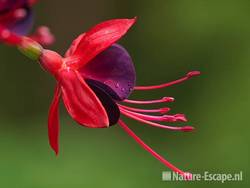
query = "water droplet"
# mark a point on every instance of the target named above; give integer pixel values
(117, 85)
(130, 89)
(122, 89)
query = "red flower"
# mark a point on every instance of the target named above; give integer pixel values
(95, 76)
(16, 17)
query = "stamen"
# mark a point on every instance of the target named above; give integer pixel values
(43, 36)
(188, 76)
(19, 13)
(153, 124)
(152, 152)
(176, 117)
(166, 118)
(160, 110)
(164, 99)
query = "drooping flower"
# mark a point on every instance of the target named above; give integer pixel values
(16, 16)
(95, 79)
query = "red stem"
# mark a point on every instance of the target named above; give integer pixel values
(9, 37)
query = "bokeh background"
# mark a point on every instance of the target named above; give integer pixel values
(170, 38)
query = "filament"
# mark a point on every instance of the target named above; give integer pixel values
(153, 124)
(167, 118)
(159, 110)
(164, 99)
(187, 77)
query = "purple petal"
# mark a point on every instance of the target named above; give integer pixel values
(113, 71)
(110, 106)
(23, 26)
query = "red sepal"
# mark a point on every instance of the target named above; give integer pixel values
(53, 121)
(97, 39)
(80, 101)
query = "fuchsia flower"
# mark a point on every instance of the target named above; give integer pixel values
(16, 16)
(94, 80)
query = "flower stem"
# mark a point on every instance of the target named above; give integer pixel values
(29, 47)
(8, 37)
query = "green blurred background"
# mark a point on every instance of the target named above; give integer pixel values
(170, 38)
